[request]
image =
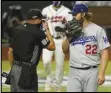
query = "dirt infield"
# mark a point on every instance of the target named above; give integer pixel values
(5, 49)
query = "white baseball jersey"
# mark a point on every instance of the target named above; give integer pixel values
(55, 17)
(85, 51)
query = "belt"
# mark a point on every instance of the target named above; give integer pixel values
(86, 68)
(19, 63)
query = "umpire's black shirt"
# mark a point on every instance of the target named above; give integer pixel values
(28, 42)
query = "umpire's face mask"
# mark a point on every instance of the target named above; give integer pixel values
(56, 3)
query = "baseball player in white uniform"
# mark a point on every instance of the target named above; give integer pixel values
(86, 53)
(57, 15)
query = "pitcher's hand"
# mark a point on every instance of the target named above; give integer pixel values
(101, 78)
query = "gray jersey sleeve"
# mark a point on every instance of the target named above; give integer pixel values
(102, 39)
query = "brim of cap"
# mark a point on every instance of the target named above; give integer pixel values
(75, 12)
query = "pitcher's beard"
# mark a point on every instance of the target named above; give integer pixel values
(81, 21)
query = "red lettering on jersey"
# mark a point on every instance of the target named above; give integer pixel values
(56, 19)
(94, 49)
(88, 49)
(64, 21)
(59, 17)
(91, 49)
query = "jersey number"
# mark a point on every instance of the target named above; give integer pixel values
(91, 49)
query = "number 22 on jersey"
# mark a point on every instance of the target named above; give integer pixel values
(91, 49)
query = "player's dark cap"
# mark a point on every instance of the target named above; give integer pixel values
(79, 8)
(34, 14)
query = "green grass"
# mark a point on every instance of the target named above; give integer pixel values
(104, 89)
(4, 89)
(63, 89)
(6, 67)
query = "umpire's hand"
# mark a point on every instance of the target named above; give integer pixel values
(45, 24)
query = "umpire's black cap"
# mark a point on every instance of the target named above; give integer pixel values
(34, 14)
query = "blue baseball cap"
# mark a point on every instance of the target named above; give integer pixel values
(79, 8)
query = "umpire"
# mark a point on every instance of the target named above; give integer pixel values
(25, 50)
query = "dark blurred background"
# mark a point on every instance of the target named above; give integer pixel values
(13, 12)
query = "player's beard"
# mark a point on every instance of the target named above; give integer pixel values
(81, 21)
